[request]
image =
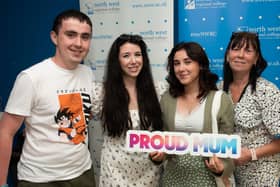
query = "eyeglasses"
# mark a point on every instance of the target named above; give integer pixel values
(244, 34)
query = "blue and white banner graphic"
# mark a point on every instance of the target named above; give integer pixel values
(211, 23)
(153, 20)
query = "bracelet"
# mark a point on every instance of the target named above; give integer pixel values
(4, 185)
(253, 154)
(219, 174)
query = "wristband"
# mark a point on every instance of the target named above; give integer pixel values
(219, 174)
(253, 154)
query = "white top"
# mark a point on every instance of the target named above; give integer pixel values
(56, 103)
(192, 122)
(120, 167)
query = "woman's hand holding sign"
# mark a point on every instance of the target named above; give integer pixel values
(215, 164)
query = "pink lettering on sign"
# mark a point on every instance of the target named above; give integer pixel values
(204, 144)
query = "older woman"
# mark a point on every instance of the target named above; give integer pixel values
(257, 111)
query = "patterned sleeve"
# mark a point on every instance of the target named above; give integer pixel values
(269, 97)
(161, 87)
(97, 99)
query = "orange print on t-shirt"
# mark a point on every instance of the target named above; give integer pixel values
(74, 104)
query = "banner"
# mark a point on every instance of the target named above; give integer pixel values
(211, 23)
(153, 20)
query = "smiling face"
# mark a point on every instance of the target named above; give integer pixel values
(186, 70)
(131, 60)
(72, 43)
(241, 59)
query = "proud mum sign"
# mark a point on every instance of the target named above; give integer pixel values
(204, 144)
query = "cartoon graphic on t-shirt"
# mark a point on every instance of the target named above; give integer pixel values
(71, 118)
(69, 125)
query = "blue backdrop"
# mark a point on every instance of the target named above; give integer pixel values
(25, 36)
(25, 40)
(211, 24)
(26, 26)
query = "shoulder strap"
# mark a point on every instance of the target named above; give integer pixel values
(215, 108)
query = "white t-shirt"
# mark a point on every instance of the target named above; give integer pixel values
(57, 105)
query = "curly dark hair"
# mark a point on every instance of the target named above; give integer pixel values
(207, 79)
(115, 114)
(239, 40)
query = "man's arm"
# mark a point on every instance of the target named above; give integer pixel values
(9, 124)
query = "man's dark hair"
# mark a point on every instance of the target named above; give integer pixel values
(76, 14)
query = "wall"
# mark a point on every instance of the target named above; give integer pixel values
(25, 28)
(25, 38)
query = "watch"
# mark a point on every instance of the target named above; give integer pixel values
(253, 154)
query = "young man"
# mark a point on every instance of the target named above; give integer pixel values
(53, 99)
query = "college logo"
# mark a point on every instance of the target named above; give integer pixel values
(190, 4)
